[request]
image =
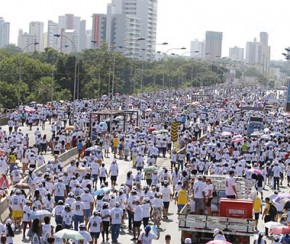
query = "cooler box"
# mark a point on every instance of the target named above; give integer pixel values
(236, 208)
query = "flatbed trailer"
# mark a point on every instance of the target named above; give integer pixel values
(200, 227)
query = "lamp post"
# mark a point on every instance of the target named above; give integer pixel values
(76, 63)
(164, 68)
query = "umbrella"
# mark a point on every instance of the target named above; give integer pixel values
(280, 230)
(272, 224)
(281, 121)
(281, 197)
(93, 148)
(218, 242)
(276, 134)
(103, 123)
(40, 214)
(256, 133)
(239, 139)
(150, 168)
(163, 131)
(148, 110)
(226, 133)
(269, 144)
(2, 154)
(69, 234)
(265, 136)
(151, 129)
(102, 191)
(255, 171)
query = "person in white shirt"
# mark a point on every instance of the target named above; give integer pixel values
(26, 220)
(276, 176)
(94, 226)
(231, 191)
(113, 172)
(88, 201)
(137, 219)
(87, 236)
(218, 235)
(199, 195)
(67, 217)
(47, 229)
(147, 236)
(116, 220)
(166, 198)
(105, 213)
(78, 209)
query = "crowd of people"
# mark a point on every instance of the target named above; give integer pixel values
(88, 196)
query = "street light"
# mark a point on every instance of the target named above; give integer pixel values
(170, 49)
(30, 44)
(76, 62)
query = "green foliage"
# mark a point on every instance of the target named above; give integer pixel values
(52, 75)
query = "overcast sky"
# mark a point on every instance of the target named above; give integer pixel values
(179, 21)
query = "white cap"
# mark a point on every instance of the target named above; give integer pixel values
(187, 241)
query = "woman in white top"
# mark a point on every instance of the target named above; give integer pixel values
(147, 236)
(208, 196)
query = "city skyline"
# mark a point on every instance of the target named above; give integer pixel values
(179, 22)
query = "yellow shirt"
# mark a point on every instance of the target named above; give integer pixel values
(257, 205)
(182, 197)
(115, 142)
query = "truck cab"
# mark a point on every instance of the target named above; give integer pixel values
(255, 124)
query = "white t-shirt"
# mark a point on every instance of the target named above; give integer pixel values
(230, 182)
(67, 217)
(87, 237)
(95, 222)
(138, 213)
(147, 239)
(166, 194)
(116, 215)
(78, 208)
(114, 169)
(199, 188)
(87, 199)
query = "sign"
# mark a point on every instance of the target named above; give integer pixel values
(174, 131)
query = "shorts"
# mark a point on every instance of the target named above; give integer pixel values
(257, 215)
(95, 235)
(199, 204)
(166, 205)
(137, 223)
(180, 206)
(208, 203)
(87, 212)
(260, 189)
(95, 177)
(113, 178)
(17, 213)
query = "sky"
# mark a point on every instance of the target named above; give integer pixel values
(179, 21)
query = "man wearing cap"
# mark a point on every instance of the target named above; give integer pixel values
(16, 205)
(59, 190)
(87, 236)
(113, 172)
(116, 220)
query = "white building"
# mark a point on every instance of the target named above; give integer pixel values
(196, 49)
(52, 29)
(27, 42)
(36, 29)
(236, 53)
(4, 33)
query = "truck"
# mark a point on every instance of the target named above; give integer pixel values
(255, 124)
(233, 216)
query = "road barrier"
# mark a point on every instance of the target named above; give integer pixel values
(64, 158)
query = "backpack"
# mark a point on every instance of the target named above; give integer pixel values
(272, 210)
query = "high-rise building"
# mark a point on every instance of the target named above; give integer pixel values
(236, 53)
(196, 49)
(52, 29)
(213, 45)
(264, 38)
(72, 24)
(27, 42)
(259, 52)
(138, 27)
(36, 29)
(98, 30)
(4, 33)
